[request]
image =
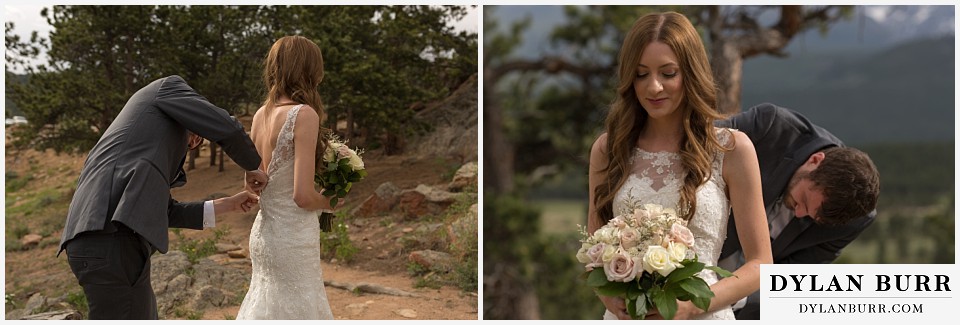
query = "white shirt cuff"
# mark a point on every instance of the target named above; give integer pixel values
(209, 216)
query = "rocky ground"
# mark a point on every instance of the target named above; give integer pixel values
(412, 222)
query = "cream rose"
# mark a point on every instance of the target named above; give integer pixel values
(582, 256)
(595, 253)
(657, 259)
(608, 252)
(331, 153)
(607, 235)
(621, 267)
(681, 234)
(640, 216)
(355, 162)
(678, 252)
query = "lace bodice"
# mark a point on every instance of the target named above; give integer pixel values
(287, 282)
(657, 177)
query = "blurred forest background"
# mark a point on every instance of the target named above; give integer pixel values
(382, 63)
(881, 78)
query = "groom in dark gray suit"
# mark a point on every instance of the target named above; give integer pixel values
(818, 195)
(122, 208)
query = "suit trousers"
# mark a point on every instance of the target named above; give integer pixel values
(114, 270)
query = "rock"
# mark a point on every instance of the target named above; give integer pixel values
(384, 198)
(465, 177)
(455, 123)
(407, 230)
(68, 314)
(406, 313)
(36, 302)
(356, 309)
(223, 248)
(30, 240)
(433, 260)
(241, 253)
(207, 296)
(462, 232)
(424, 200)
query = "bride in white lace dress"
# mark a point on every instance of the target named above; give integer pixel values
(287, 281)
(661, 147)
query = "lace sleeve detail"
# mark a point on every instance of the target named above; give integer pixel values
(283, 153)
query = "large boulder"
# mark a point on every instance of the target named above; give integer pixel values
(384, 199)
(425, 200)
(454, 122)
(432, 260)
(465, 177)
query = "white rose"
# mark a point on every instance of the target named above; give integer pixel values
(331, 153)
(582, 256)
(657, 259)
(607, 235)
(621, 267)
(678, 252)
(608, 252)
(355, 162)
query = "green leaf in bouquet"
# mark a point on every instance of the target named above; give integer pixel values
(342, 192)
(613, 289)
(696, 287)
(344, 162)
(362, 173)
(331, 166)
(632, 308)
(688, 270)
(597, 278)
(634, 291)
(702, 303)
(354, 177)
(347, 188)
(666, 303)
(333, 179)
(720, 271)
(333, 201)
(640, 307)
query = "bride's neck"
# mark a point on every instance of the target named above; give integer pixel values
(661, 136)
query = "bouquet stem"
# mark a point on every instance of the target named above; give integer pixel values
(326, 221)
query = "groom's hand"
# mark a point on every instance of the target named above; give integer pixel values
(255, 181)
(243, 201)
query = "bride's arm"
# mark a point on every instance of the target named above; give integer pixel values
(741, 172)
(598, 161)
(305, 132)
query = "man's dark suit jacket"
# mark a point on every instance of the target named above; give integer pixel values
(784, 140)
(128, 174)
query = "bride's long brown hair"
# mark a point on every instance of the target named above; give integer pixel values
(627, 117)
(294, 68)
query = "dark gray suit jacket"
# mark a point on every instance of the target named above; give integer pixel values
(129, 172)
(784, 140)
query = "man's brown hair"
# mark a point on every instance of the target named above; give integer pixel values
(850, 184)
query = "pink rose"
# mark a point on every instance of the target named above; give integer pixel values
(595, 253)
(343, 152)
(629, 237)
(680, 234)
(640, 215)
(621, 268)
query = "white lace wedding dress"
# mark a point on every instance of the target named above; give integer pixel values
(287, 282)
(656, 178)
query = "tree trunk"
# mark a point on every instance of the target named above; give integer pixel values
(191, 157)
(727, 70)
(349, 124)
(221, 161)
(213, 153)
(499, 153)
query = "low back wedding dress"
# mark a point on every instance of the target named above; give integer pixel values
(287, 282)
(656, 178)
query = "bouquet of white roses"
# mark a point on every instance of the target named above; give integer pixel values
(647, 258)
(341, 168)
